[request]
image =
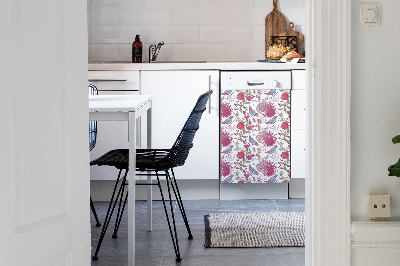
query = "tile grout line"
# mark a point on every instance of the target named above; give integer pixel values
(276, 205)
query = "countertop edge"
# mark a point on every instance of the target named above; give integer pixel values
(194, 66)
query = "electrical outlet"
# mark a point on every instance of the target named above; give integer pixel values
(378, 206)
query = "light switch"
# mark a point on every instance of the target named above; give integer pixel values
(369, 14)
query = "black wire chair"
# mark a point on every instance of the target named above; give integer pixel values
(92, 143)
(149, 161)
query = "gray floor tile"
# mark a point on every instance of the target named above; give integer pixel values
(155, 248)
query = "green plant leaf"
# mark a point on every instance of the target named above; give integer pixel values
(394, 170)
(396, 139)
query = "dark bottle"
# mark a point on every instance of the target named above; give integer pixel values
(137, 50)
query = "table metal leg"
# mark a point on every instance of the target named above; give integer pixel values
(149, 204)
(149, 178)
(132, 190)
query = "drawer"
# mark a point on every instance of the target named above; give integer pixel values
(298, 79)
(258, 75)
(255, 80)
(115, 80)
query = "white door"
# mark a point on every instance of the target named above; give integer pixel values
(44, 191)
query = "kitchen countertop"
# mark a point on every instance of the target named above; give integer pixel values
(195, 66)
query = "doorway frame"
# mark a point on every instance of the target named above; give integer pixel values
(328, 51)
(328, 223)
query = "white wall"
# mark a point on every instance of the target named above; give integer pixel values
(193, 30)
(375, 108)
(375, 120)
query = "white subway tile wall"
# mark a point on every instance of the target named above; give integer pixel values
(192, 30)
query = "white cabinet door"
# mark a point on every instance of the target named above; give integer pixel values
(298, 156)
(298, 118)
(44, 174)
(112, 134)
(298, 79)
(298, 109)
(174, 96)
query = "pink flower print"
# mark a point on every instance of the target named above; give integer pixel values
(247, 117)
(285, 125)
(246, 175)
(249, 98)
(240, 96)
(240, 155)
(267, 138)
(240, 125)
(266, 108)
(250, 127)
(266, 167)
(240, 182)
(285, 155)
(284, 96)
(249, 157)
(247, 147)
(226, 139)
(225, 168)
(225, 109)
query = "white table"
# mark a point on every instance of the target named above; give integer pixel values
(127, 108)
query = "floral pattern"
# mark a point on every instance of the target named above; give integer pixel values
(255, 136)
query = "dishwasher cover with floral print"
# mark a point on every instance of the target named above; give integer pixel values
(255, 136)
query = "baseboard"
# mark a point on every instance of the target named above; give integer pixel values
(375, 242)
(253, 191)
(297, 188)
(101, 190)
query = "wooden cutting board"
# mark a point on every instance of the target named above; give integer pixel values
(299, 36)
(275, 23)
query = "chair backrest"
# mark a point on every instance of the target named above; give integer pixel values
(92, 124)
(180, 150)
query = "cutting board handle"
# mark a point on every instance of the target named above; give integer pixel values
(275, 4)
(291, 26)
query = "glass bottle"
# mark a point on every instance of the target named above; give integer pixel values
(137, 50)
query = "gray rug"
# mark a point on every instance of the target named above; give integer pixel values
(271, 229)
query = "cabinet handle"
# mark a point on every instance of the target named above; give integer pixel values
(100, 80)
(209, 99)
(254, 83)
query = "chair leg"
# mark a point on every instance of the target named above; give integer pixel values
(94, 213)
(109, 212)
(174, 239)
(180, 203)
(120, 211)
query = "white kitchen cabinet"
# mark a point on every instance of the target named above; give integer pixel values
(174, 96)
(298, 125)
(112, 134)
